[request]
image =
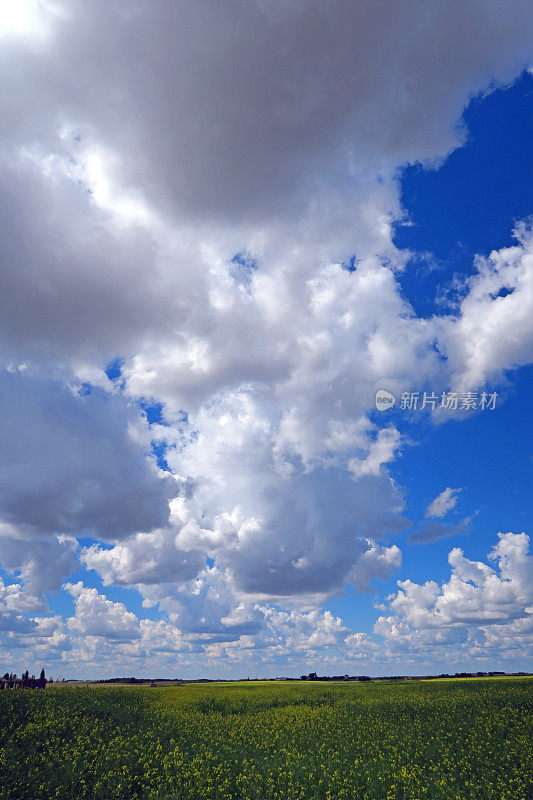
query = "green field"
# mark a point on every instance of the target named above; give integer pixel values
(466, 740)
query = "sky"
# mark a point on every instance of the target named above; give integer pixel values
(265, 338)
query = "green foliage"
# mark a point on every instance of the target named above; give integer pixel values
(449, 740)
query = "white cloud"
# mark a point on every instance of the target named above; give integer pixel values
(13, 598)
(132, 173)
(492, 331)
(382, 451)
(207, 609)
(144, 558)
(266, 113)
(20, 630)
(444, 502)
(28, 20)
(481, 614)
(95, 615)
(309, 631)
(377, 562)
(477, 603)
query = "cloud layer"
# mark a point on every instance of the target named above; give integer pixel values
(204, 194)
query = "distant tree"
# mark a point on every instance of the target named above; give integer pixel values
(42, 679)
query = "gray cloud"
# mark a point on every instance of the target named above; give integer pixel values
(440, 530)
(42, 563)
(69, 465)
(143, 146)
(237, 108)
(317, 531)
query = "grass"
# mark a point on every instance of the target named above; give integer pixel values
(451, 740)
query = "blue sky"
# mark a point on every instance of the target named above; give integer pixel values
(466, 206)
(211, 267)
(470, 204)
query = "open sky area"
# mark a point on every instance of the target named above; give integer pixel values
(266, 336)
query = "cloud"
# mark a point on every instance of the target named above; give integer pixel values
(444, 502)
(13, 598)
(480, 614)
(477, 601)
(159, 637)
(69, 464)
(304, 535)
(144, 558)
(382, 451)
(312, 630)
(282, 529)
(208, 609)
(19, 630)
(134, 176)
(95, 615)
(492, 332)
(433, 531)
(256, 123)
(377, 562)
(42, 563)
(245, 150)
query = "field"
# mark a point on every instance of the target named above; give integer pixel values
(447, 740)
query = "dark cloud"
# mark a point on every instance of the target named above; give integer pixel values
(433, 531)
(69, 465)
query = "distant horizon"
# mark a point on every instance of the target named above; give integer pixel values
(488, 674)
(303, 678)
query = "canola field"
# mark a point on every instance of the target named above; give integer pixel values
(439, 740)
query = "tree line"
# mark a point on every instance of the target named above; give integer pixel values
(10, 681)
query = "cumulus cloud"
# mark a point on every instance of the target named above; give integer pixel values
(21, 630)
(95, 615)
(478, 602)
(282, 93)
(13, 598)
(382, 451)
(223, 226)
(444, 502)
(42, 563)
(376, 562)
(481, 613)
(144, 558)
(311, 630)
(492, 331)
(209, 609)
(69, 463)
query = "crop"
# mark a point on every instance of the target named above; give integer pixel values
(447, 740)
